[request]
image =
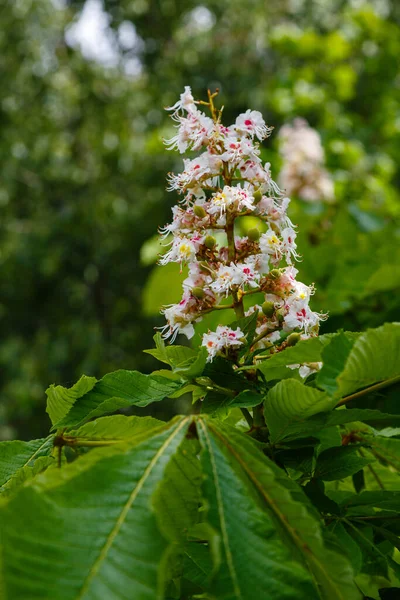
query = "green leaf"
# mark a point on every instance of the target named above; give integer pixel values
(328, 438)
(198, 564)
(118, 390)
(193, 367)
(90, 530)
(383, 499)
(26, 473)
(385, 449)
(247, 325)
(177, 499)
(171, 355)
(267, 564)
(348, 545)
(214, 402)
(338, 463)
(61, 399)
(16, 455)
(222, 373)
(304, 351)
(246, 399)
(334, 357)
(373, 358)
(116, 428)
(233, 461)
(290, 402)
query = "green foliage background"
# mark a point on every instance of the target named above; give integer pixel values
(83, 171)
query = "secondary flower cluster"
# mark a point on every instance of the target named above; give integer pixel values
(303, 174)
(228, 180)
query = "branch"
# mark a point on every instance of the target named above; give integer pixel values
(367, 390)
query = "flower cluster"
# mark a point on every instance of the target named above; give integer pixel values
(302, 174)
(226, 181)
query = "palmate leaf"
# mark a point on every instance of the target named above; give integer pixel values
(369, 359)
(242, 480)
(291, 402)
(16, 455)
(120, 389)
(89, 532)
(254, 560)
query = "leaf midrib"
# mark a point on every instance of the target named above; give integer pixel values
(297, 540)
(224, 531)
(128, 505)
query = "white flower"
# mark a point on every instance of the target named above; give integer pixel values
(259, 263)
(180, 318)
(197, 277)
(252, 122)
(288, 244)
(183, 250)
(238, 150)
(197, 170)
(306, 369)
(193, 131)
(185, 102)
(271, 244)
(234, 198)
(227, 276)
(223, 337)
(250, 276)
(300, 318)
(302, 172)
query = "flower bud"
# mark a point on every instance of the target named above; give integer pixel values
(257, 196)
(292, 339)
(253, 234)
(204, 266)
(275, 273)
(280, 315)
(199, 211)
(198, 293)
(268, 309)
(210, 242)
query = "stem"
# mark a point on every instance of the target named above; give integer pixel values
(258, 416)
(371, 388)
(237, 301)
(220, 307)
(261, 336)
(89, 443)
(248, 417)
(395, 517)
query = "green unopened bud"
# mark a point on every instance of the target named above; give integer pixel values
(292, 339)
(198, 292)
(257, 196)
(280, 315)
(199, 211)
(210, 242)
(268, 309)
(275, 274)
(204, 266)
(253, 234)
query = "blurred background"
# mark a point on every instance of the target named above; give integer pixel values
(83, 167)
